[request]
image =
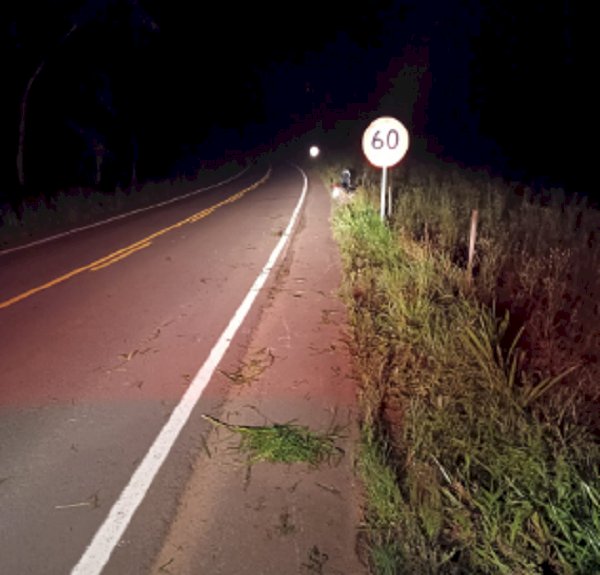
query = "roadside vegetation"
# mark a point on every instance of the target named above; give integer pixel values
(39, 215)
(479, 384)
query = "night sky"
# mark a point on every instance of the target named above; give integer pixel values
(160, 88)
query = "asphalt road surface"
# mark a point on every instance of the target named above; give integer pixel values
(102, 332)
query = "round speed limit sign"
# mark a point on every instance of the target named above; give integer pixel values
(385, 142)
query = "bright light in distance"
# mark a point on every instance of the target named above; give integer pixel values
(314, 151)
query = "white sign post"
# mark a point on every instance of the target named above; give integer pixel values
(385, 143)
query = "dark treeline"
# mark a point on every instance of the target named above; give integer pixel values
(520, 88)
(122, 91)
(124, 97)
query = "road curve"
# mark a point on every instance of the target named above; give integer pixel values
(102, 332)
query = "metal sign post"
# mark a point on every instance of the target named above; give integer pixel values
(385, 143)
(383, 192)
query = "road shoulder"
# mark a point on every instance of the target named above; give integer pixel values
(275, 518)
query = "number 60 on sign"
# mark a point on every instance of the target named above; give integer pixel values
(385, 142)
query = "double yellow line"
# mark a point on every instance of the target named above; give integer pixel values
(135, 247)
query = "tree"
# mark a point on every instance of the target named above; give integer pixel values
(136, 20)
(23, 111)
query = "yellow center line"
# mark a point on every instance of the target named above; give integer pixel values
(118, 258)
(122, 253)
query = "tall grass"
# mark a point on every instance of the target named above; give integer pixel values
(479, 455)
(537, 258)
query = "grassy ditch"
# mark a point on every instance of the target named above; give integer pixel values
(479, 451)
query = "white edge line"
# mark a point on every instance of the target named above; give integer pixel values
(108, 535)
(122, 216)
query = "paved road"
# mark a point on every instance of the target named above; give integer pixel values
(101, 333)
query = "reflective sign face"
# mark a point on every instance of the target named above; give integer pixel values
(385, 142)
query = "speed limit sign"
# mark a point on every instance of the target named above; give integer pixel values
(385, 142)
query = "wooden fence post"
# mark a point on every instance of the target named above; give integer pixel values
(472, 238)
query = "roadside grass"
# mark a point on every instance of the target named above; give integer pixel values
(480, 450)
(284, 443)
(38, 216)
(537, 258)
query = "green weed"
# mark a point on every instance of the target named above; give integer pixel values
(284, 443)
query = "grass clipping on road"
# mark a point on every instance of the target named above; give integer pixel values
(283, 443)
